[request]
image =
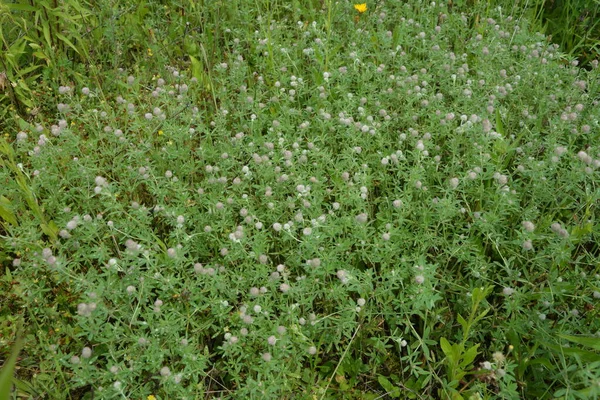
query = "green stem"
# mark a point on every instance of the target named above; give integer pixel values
(328, 29)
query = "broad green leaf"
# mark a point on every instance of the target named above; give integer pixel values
(50, 229)
(457, 396)
(142, 11)
(41, 55)
(391, 390)
(45, 4)
(190, 46)
(479, 294)
(20, 7)
(385, 383)
(580, 231)
(449, 350)
(6, 211)
(462, 322)
(499, 124)
(469, 356)
(500, 147)
(196, 69)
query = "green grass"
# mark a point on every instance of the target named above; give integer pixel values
(295, 200)
(573, 25)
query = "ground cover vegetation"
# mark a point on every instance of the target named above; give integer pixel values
(313, 200)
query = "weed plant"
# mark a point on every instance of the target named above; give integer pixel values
(572, 24)
(397, 202)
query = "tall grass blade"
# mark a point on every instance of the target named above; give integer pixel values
(6, 374)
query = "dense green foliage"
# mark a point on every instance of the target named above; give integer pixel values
(572, 24)
(297, 200)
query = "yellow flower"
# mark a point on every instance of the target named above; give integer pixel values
(160, 133)
(151, 397)
(361, 8)
(150, 52)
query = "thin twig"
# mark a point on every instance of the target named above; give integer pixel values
(340, 362)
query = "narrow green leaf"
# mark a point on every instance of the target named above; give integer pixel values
(41, 55)
(591, 392)
(26, 71)
(462, 322)
(23, 387)
(482, 314)
(560, 392)
(541, 361)
(46, 31)
(6, 149)
(80, 9)
(23, 85)
(67, 42)
(17, 48)
(584, 355)
(588, 341)
(7, 371)
(499, 124)
(23, 93)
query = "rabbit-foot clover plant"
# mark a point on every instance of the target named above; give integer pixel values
(263, 227)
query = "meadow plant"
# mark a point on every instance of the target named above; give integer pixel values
(313, 215)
